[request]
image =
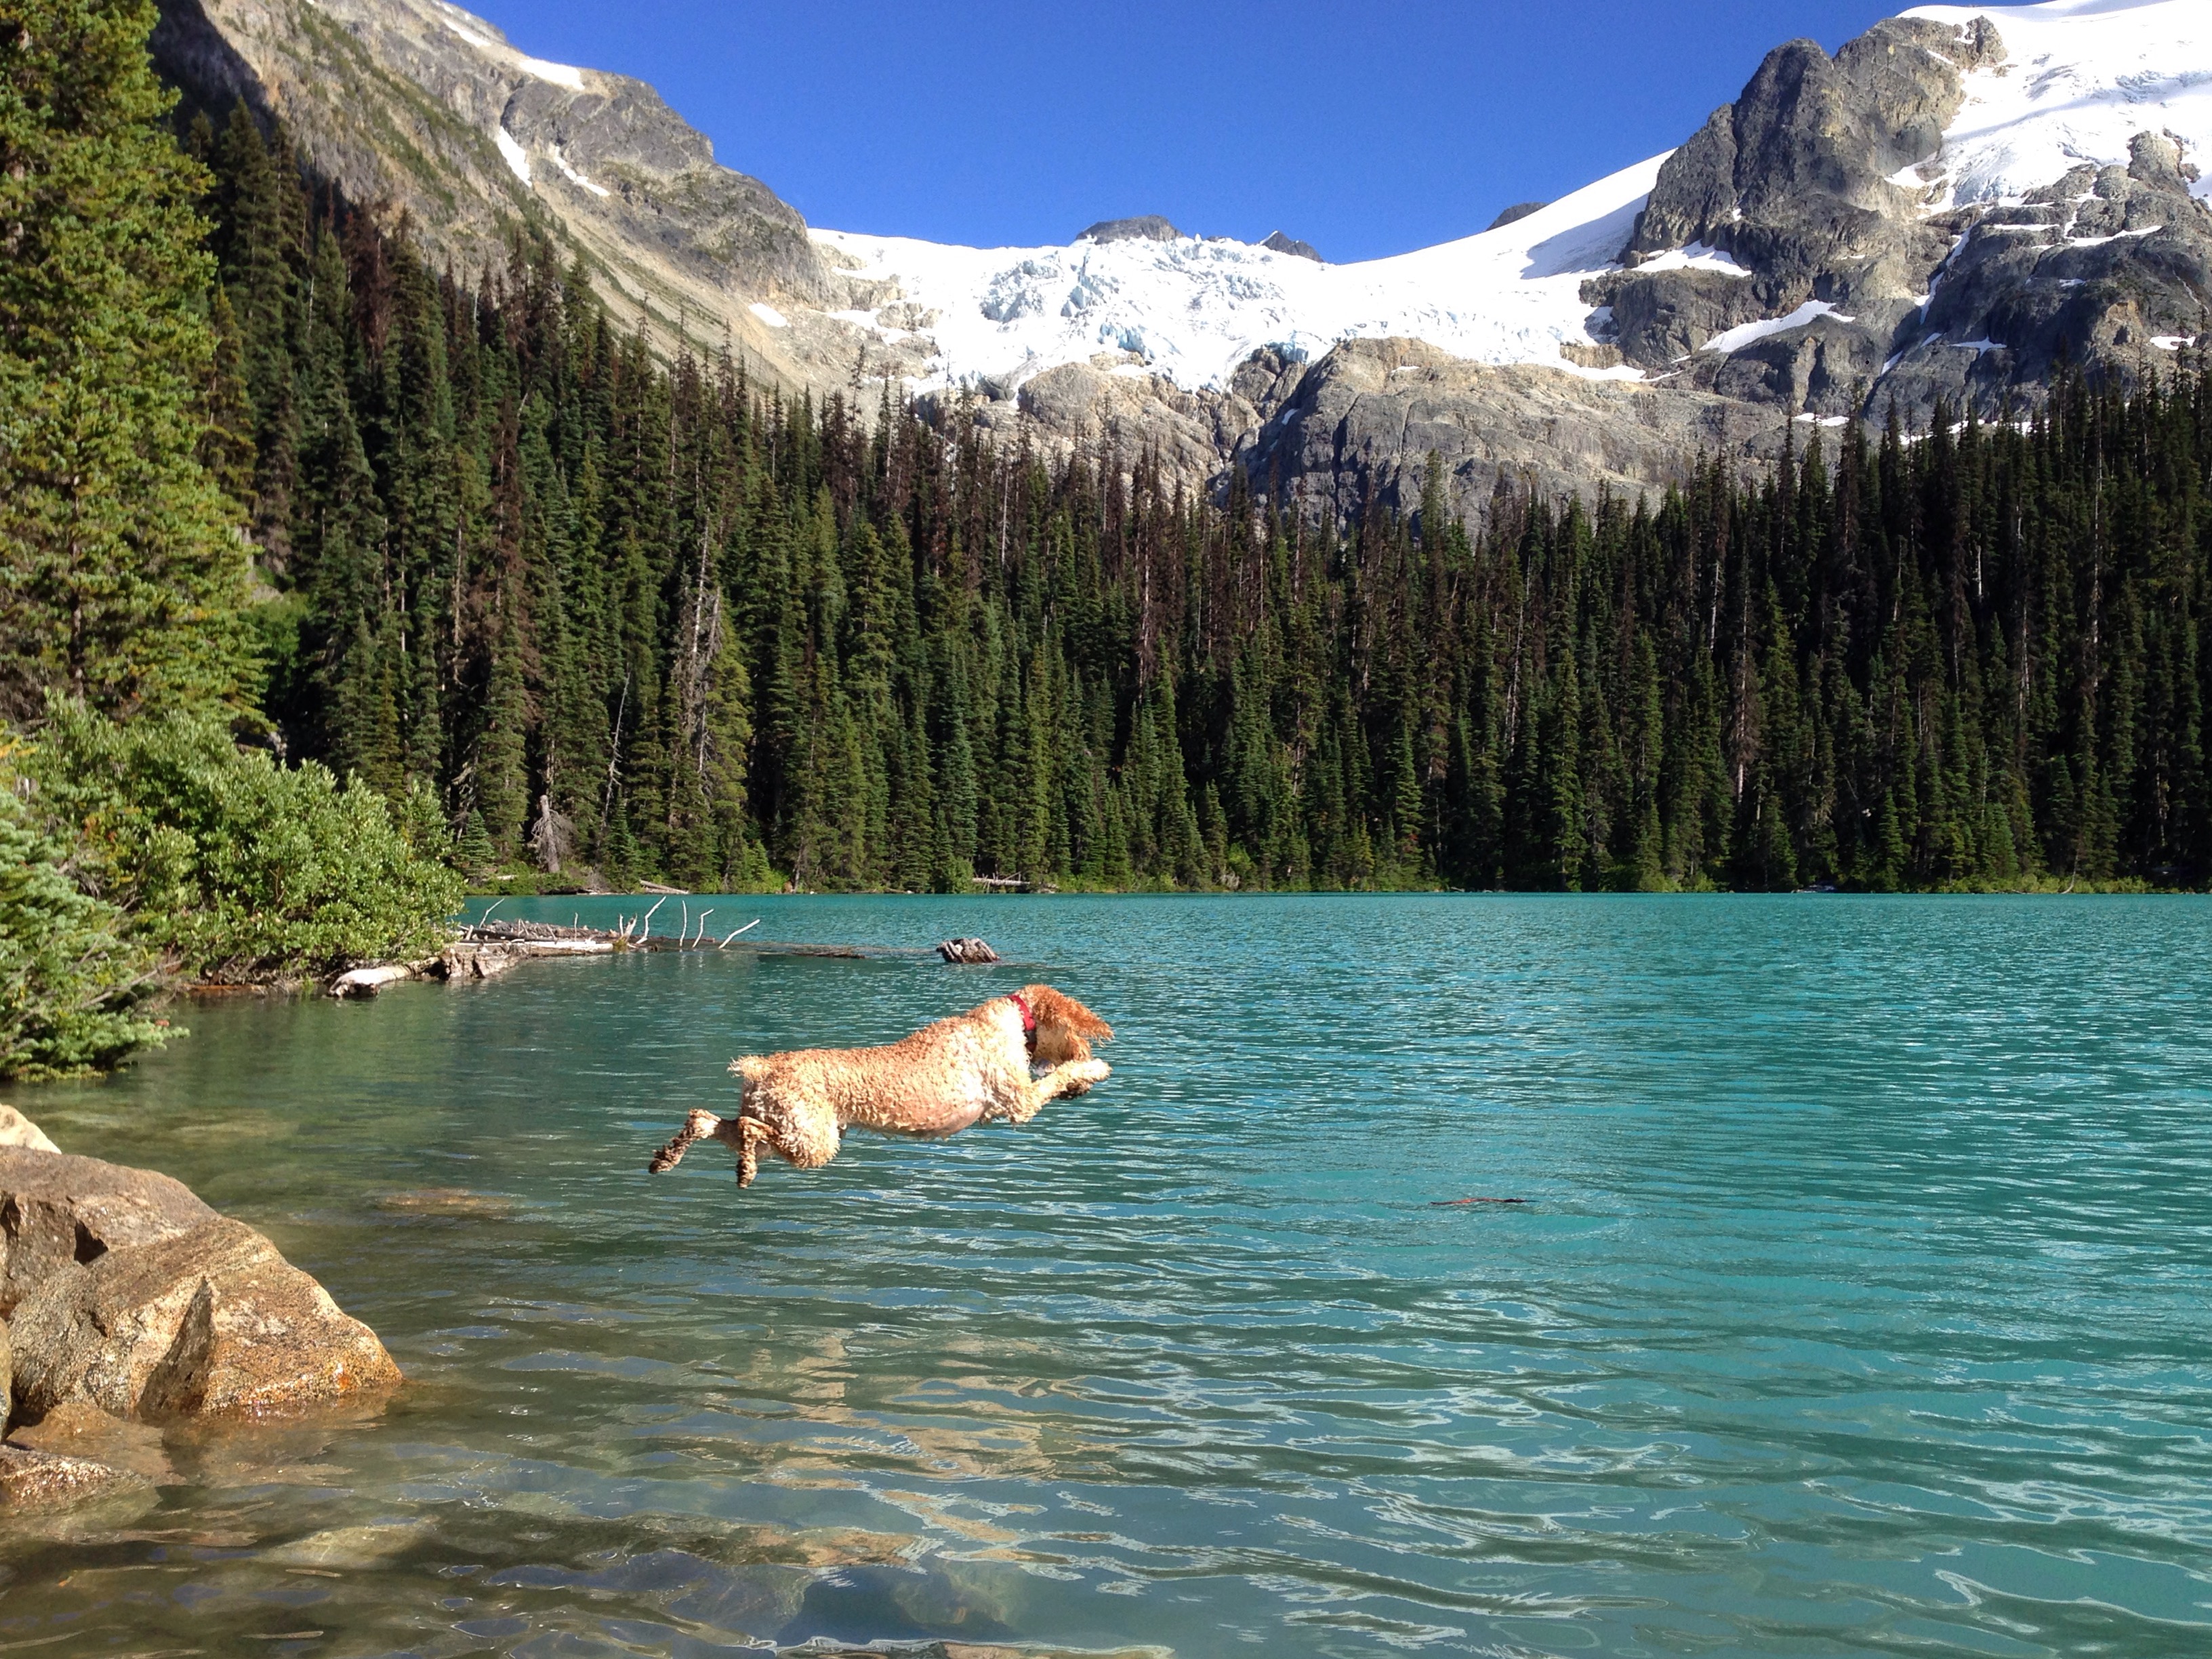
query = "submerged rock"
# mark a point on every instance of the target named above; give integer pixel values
(447, 1200)
(204, 1322)
(47, 1480)
(89, 1435)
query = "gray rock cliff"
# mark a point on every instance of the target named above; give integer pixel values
(406, 105)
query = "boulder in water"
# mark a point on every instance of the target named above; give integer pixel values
(967, 950)
(210, 1322)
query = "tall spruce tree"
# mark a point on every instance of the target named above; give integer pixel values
(120, 576)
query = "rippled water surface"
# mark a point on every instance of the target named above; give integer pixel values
(1859, 1304)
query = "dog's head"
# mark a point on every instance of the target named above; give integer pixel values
(1063, 1026)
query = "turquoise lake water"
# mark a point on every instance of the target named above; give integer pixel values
(1861, 1304)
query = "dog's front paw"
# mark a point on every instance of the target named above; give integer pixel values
(1083, 1073)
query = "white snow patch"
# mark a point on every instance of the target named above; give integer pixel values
(1736, 339)
(2171, 341)
(518, 158)
(769, 314)
(1696, 257)
(561, 161)
(1194, 310)
(561, 74)
(2118, 236)
(470, 29)
(2080, 79)
(1976, 347)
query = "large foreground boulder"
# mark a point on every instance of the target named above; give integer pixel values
(57, 1210)
(208, 1321)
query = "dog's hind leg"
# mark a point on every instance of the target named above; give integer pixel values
(751, 1132)
(697, 1126)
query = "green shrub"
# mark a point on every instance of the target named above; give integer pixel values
(231, 866)
(70, 986)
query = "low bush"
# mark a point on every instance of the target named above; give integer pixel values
(228, 866)
(72, 987)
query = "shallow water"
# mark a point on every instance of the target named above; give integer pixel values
(1858, 1306)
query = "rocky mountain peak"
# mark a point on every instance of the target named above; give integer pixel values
(1515, 214)
(416, 107)
(1148, 228)
(1805, 165)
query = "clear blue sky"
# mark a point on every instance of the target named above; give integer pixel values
(1366, 129)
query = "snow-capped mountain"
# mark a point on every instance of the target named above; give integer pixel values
(1937, 215)
(2076, 81)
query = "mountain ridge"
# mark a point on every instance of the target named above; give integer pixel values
(1850, 232)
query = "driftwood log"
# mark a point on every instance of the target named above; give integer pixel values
(489, 947)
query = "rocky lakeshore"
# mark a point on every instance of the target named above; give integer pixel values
(132, 1308)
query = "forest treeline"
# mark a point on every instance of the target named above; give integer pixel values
(642, 618)
(141, 846)
(325, 575)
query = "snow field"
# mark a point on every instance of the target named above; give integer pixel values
(2080, 79)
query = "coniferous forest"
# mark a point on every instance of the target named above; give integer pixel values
(638, 618)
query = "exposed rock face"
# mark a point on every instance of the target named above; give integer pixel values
(2093, 269)
(1797, 178)
(1284, 243)
(1856, 294)
(210, 1322)
(1361, 423)
(1147, 227)
(57, 1211)
(1514, 214)
(1191, 431)
(479, 960)
(411, 104)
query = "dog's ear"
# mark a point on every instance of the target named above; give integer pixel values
(1054, 1008)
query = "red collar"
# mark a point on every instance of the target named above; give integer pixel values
(1028, 1019)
